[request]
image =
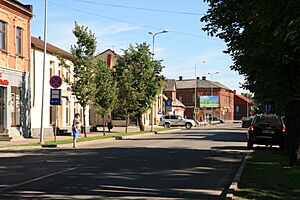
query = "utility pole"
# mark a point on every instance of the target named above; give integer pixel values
(152, 106)
(44, 67)
(212, 94)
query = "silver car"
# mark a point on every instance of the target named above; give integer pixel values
(175, 120)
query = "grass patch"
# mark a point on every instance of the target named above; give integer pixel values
(268, 176)
(96, 137)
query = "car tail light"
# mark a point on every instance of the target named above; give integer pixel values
(283, 129)
(251, 128)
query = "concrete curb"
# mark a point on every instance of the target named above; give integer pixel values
(234, 185)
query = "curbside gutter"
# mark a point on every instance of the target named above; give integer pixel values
(234, 185)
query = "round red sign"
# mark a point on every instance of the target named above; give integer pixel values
(55, 81)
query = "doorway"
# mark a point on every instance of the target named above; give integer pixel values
(2, 109)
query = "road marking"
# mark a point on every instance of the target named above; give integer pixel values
(36, 179)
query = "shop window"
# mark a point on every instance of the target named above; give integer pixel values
(3, 35)
(15, 106)
(19, 41)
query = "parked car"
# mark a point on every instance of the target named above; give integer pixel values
(175, 120)
(246, 122)
(267, 130)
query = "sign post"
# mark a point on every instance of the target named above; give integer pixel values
(169, 104)
(55, 98)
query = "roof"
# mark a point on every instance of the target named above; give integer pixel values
(116, 54)
(245, 99)
(190, 83)
(26, 9)
(175, 103)
(38, 43)
(170, 85)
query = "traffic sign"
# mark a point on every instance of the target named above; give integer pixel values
(196, 110)
(55, 81)
(169, 102)
(55, 96)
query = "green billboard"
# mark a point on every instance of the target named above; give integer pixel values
(209, 101)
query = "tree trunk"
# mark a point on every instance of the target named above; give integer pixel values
(293, 133)
(126, 125)
(103, 125)
(140, 120)
(84, 125)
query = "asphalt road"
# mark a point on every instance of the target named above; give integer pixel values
(189, 164)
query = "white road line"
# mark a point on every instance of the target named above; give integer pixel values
(37, 179)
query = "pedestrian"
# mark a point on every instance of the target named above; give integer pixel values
(109, 123)
(76, 126)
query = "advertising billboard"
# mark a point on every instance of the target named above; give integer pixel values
(209, 101)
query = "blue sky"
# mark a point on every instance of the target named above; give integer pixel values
(118, 23)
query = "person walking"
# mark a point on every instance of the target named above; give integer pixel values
(76, 126)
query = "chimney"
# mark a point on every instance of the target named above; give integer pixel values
(198, 78)
(40, 37)
(204, 78)
(180, 78)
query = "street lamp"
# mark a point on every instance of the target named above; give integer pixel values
(153, 40)
(204, 61)
(212, 93)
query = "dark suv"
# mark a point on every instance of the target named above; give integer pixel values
(267, 130)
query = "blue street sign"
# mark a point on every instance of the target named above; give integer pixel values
(169, 102)
(55, 97)
(267, 108)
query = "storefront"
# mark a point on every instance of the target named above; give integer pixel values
(14, 103)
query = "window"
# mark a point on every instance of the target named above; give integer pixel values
(51, 68)
(15, 106)
(19, 41)
(2, 35)
(68, 112)
(52, 115)
(237, 109)
(59, 73)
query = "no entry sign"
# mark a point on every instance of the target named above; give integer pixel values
(55, 81)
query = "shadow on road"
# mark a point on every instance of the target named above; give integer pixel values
(141, 173)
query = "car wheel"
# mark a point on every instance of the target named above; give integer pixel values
(249, 145)
(167, 125)
(188, 125)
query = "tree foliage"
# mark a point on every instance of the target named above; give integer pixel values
(263, 39)
(139, 80)
(104, 87)
(82, 70)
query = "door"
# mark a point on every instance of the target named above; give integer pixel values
(2, 109)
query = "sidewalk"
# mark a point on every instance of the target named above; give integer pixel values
(25, 141)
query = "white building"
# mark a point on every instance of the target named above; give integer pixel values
(69, 106)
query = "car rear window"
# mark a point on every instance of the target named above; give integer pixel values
(167, 117)
(272, 120)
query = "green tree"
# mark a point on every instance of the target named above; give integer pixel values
(138, 80)
(263, 39)
(82, 70)
(104, 90)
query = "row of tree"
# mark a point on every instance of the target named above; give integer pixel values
(263, 39)
(129, 87)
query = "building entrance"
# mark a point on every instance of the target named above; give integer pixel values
(2, 109)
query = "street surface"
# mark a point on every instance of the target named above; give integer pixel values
(188, 164)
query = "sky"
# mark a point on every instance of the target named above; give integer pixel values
(119, 23)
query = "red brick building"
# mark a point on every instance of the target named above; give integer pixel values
(186, 94)
(243, 107)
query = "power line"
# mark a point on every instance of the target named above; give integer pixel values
(125, 21)
(140, 8)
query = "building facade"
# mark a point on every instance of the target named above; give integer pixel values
(224, 96)
(69, 105)
(243, 107)
(14, 69)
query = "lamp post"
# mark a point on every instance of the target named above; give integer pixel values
(212, 93)
(195, 115)
(153, 40)
(44, 66)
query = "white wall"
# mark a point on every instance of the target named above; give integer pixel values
(36, 94)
